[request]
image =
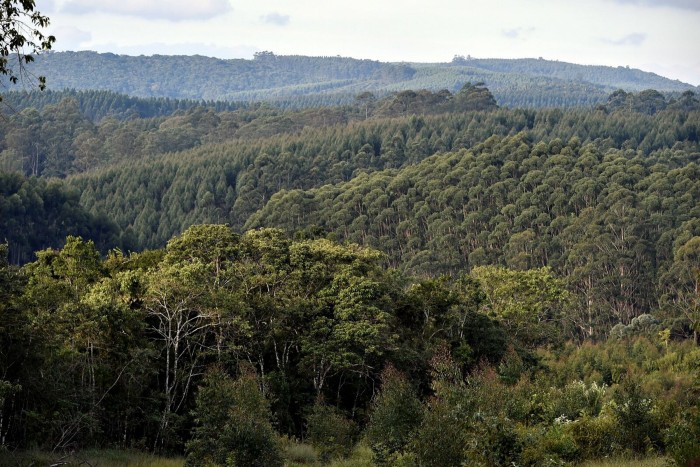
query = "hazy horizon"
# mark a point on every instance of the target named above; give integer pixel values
(657, 36)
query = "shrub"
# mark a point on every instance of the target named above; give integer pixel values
(441, 438)
(638, 430)
(683, 440)
(330, 432)
(493, 441)
(547, 446)
(232, 421)
(395, 416)
(299, 453)
(578, 398)
(594, 436)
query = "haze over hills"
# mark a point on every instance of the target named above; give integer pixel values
(299, 81)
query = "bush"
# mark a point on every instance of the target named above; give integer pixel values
(594, 436)
(299, 453)
(578, 398)
(232, 421)
(493, 441)
(638, 429)
(441, 438)
(396, 415)
(547, 446)
(330, 432)
(683, 440)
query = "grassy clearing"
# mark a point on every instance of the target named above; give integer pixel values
(296, 455)
(91, 458)
(302, 454)
(625, 462)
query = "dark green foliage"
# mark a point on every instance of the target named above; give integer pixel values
(552, 446)
(441, 438)
(595, 437)
(513, 243)
(683, 439)
(85, 354)
(232, 423)
(36, 213)
(98, 105)
(331, 432)
(634, 417)
(469, 98)
(396, 414)
(526, 205)
(99, 352)
(494, 442)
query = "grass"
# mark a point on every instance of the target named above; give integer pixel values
(304, 455)
(361, 456)
(89, 458)
(627, 462)
(296, 455)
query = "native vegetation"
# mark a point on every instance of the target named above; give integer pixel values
(419, 278)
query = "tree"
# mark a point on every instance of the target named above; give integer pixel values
(681, 284)
(176, 306)
(366, 100)
(21, 37)
(232, 423)
(396, 414)
(12, 336)
(528, 303)
(330, 431)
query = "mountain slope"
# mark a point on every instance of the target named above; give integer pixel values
(312, 81)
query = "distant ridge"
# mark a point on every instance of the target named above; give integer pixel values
(299, 81)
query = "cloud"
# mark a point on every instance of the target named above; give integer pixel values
(275, 19)
(172, 10)
(46, 6)
(70, 38)
(680, 4)
(635, 39)
(516, 33)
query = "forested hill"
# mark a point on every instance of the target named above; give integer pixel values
(249, 276)
(300, 81)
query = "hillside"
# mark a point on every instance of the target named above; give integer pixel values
(300, 81)
(221, 280)
(156, 176)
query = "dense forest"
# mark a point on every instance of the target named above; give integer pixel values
(298, 81)
(424, 273)
(221, 343)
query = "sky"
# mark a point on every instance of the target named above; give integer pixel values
(660, 36)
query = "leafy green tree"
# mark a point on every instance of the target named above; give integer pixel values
(366, 100)
(22, 37)
(232, 423)
(634, 414)
(681, 284)
(71, 345)
(396, 414)
(13, 334)
(178, 314)
(683, 439)
(441, 438)
(529, 304)
(330, 431)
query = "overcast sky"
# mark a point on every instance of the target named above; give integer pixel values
(661, 36)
